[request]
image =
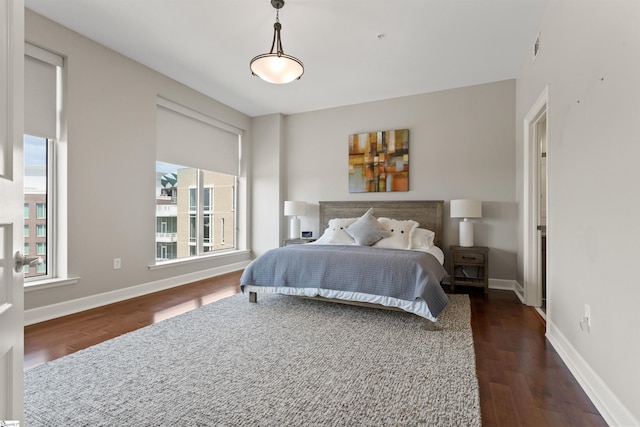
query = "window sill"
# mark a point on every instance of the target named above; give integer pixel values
(49, 283)
(202, 258)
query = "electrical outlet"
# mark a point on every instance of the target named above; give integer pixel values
(117, 263)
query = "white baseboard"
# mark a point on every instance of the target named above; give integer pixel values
(501, 284)
(609, 406)
(519, 291)
(65, 308)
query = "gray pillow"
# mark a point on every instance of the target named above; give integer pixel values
(367, 230)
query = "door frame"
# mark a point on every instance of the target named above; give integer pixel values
(12, 214)
(531, 242)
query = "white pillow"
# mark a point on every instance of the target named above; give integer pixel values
(335, 234)
(367, 230)
(422, 239)
(401, 233)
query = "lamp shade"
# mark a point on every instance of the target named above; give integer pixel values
(278, 69)
(295, 208)
(466, 208)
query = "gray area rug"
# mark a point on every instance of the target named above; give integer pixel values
(283, 361)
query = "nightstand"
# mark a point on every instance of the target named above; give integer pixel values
(287, 242)
(470, 267)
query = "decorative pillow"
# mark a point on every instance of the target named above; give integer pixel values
(401, 233)
(335, 234)
(367, 230)
(422, 239)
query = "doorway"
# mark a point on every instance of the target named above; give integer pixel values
(541, 142)
(535, 224)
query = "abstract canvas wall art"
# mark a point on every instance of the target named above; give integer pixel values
(379, 161)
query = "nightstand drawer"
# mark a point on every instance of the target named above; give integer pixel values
(468, 257)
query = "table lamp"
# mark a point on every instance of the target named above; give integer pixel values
(466, 208)
(294, 209)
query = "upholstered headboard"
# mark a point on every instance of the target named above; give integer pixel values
(428, 213)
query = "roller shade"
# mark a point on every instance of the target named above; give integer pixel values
(40, 113)
(187, 138)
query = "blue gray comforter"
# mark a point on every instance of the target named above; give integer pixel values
(403, 274)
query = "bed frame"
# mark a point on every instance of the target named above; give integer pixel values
(428, 213)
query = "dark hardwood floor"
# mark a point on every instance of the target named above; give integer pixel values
(523, 381)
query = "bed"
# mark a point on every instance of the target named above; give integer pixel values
(400, 271)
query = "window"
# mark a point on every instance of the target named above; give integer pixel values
(207, 199)
(207, 230)
(193, 199)
(37, 191)
(41, 210)
(183, 227)
(197, 169)
(193, 227)
(26, 249)
(43, 77)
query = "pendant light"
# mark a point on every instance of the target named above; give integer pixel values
(276, 67)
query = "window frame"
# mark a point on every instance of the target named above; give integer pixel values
(57, 209)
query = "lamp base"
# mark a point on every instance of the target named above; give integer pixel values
(466, 233)
(294, 228)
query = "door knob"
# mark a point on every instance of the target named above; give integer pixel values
(22, 260)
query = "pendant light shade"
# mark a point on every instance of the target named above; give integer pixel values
(275, 66)
(277, 69)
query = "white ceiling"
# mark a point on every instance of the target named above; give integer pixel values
(354, 51)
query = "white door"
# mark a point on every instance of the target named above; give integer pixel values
(11, 207)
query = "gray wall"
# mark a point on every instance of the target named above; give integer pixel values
(590, 60)
(267, 183)
(461, 146)
(111, 104)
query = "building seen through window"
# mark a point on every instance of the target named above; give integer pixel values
(195, 211)
(35, 203)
